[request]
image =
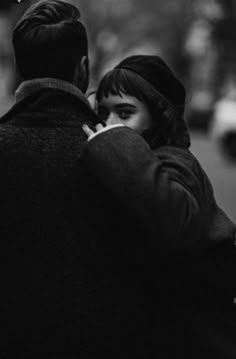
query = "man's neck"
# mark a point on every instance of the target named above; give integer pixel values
(28, 87)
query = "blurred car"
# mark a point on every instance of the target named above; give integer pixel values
(199, 110)
(223, 127)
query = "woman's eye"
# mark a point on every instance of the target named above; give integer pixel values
(125, 114)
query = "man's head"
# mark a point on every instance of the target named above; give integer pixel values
(50, 41)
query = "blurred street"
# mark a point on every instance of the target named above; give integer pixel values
(221, 172)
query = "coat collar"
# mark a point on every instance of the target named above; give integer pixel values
(29, 87)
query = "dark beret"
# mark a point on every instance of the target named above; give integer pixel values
(154, 70)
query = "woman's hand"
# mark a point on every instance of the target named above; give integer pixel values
(100, 127)
(89, 132)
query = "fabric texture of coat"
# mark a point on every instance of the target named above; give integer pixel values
(190, 241)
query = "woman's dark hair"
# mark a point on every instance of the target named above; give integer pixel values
(49, 40)
(165, 116)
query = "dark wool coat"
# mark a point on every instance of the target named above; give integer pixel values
(190, 242)
(70, 272)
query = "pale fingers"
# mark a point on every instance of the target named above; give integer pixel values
(87, 130)
(99, 127)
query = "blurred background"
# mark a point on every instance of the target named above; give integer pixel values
(197, 38)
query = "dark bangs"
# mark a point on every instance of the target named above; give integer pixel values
(118, 82)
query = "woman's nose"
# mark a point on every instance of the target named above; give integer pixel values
(112, 119)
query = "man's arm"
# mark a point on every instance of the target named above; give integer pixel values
(125, 164)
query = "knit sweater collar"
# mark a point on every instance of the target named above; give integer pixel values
(26, 88)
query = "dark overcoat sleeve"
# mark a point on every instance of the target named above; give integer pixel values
(125, 164)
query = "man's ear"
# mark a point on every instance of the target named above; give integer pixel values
(84, 66)
(81, 74)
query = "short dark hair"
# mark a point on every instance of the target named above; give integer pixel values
(49, 40)
(118, 82)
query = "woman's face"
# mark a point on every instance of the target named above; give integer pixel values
(126, 110)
